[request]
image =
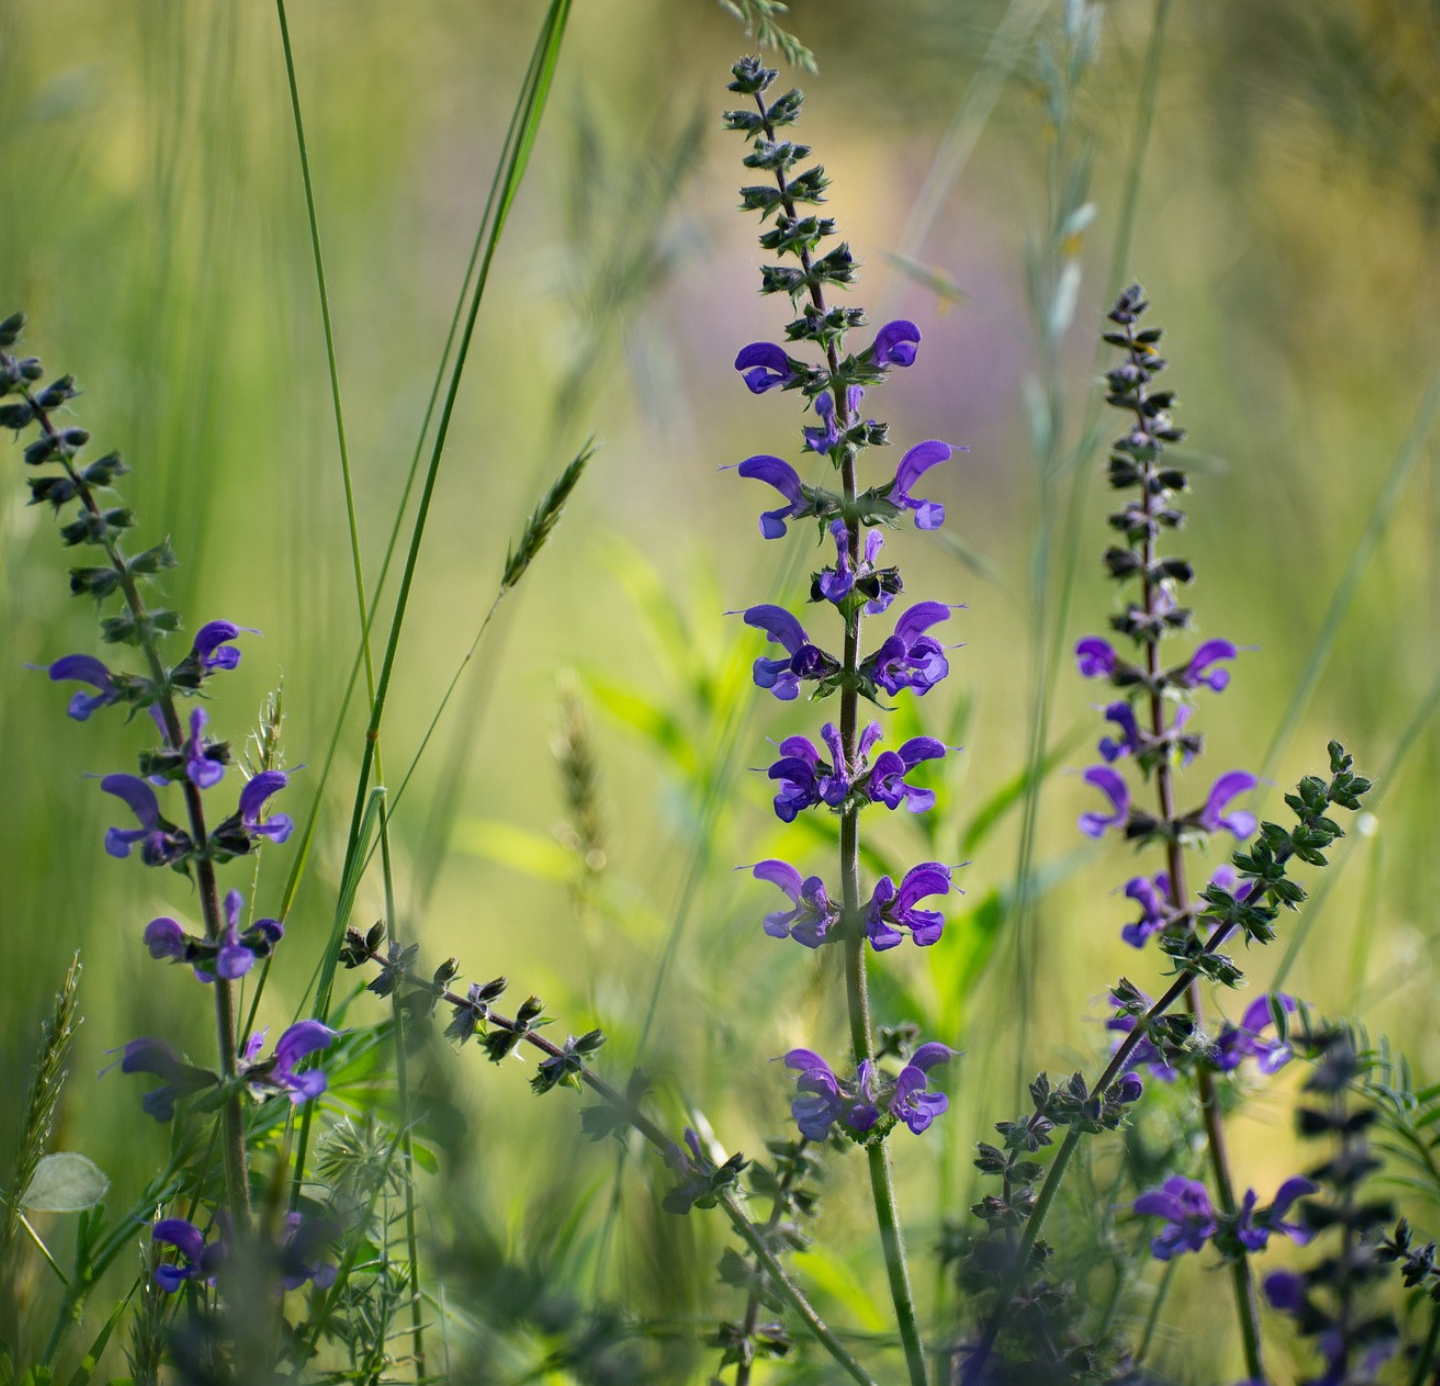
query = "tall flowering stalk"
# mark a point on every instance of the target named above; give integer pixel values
(186, 760)
(847, 772)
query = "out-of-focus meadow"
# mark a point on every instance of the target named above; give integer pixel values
(155, 232)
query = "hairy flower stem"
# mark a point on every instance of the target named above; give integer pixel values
(237, 1174)
(1247, 1305)
(754, 1237)
(752, 1303)
(857, 998)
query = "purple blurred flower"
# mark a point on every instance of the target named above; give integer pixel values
(1286, 1291)
(1253, 1229)
(886, 783)
(1095, 657)
(1128, 743)
(776, 472)
(892, 909)
(1213, 817)
(1237, 1043)
(305, 1240)
(203, 772)
(911, 1103)
(212, 649)
(1115, 789)
(178, 1079)
(1185, 1205)
(161, 842)
(1145, 1053)
(909, 658)
(1198, 670)
(822, 1099)
(895, 343)
(782, 676)
(764, 366)
(80, 668)
(199, 1260)
(166, 939)
(915, 463)
(1152, 894)
(812, 916)
(279, 1071)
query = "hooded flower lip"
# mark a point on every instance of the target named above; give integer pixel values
(165, 939)
(806, 661)
(895, 343)
(203, 771)
(1152, 894)
(1096, 658)
(1110, 784)
(763, 366)
(1200, 671)
(1237, 1043)
(892, 909)
(213, 650)
(1128, 742)
(1212, 818)
(82, 668)
(1185, 1205)
(199, 1260)
(279, 1072)
(915, 463)
(911, 1103)
(813, 915)
(886, 784)
(776, 472)
(178, 1079)
(1253, 1229)
(822, 1099)
(805, 779)
(161, 842)
(253, 798)
(909, 658)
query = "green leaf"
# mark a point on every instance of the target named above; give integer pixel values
(521, 849)
(65, 1183)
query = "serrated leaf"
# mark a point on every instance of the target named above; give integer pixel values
(65, 1183)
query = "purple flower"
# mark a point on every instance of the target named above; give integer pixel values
(1253, 1229)
(822, 1099)
(1115, 789)
(1152, 894)
(1236, 1043)
(909, 658)
(305, 1240)
(232, 959)
(1193, 674)
(1213, 817)
(782, 676)
(805, 779)
(835, 584)
(1145, 1053)
(178, 1079)
(166, 939)
(80, 668)
(776, 472)
(161, 842)
(202, 771)
(764, 366)
(253, 798)
(1185, 1205)
(1128, 743)
(895, 343)
(824, 438)
(813, 915)
(1095, 657)
(891, 909)
(199, 1261)
(212, 648)
(886, 784)
(278, 1072)
(1130, 1088)
(916, 462)
(1286, 1291)
(911, 1103)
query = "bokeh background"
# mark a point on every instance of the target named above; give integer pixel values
(1284, 224)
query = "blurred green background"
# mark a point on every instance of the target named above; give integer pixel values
(154, 230)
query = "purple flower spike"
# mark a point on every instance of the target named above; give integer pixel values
(1095, 657)
(212, 648)
(80, 668)
(1195, 673)
(911, 1103)
(909, 658)
(895, 343)
(1213, 817)
(200, 1262)
(813, 915)
(916, 462)
(886, 784)
(1236, 1043)
(1128, 742)
(253, 797)
(161, 843)
(1186, 1206)
(776, 472)
(165, 939)
(1115, 789)
(891, 909)
(1152, 894)
(764, 366)
(1253, 1229)
(202, 772)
